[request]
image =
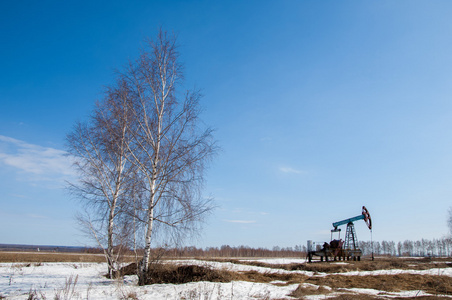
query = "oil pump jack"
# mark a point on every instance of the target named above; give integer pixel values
(347, 249)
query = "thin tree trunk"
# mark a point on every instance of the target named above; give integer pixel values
(150, 216)
(147, 249)
(111, 267)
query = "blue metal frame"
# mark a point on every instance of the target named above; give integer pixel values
(346, 221)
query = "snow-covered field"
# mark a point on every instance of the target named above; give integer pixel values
(86, 281)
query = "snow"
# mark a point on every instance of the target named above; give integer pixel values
(86, 281)
(240, 268)
(278, 261)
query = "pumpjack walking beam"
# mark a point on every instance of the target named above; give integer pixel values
(364, 216)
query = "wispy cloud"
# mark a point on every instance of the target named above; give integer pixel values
(240, 221)
(18, 196)
(41, 163)
(290, 170)
(34, 216)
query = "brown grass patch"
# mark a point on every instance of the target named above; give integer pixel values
(170, 273)
(177, 274)
(370, 297)
(381, 263)
(432, 284)
(255, 276)
(316, 267)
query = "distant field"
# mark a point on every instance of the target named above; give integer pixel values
(49, 256)
(37, 257)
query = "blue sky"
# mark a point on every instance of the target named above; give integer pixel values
(320, 107)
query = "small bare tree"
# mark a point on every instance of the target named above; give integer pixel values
(100, 151)
(168, 147)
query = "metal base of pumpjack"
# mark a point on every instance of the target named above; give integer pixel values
(338, 249)
(329, 253)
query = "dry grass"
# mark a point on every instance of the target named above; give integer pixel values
(176, 274)
(383, 263)
(171, 273)
(436, 285)
(349, 296)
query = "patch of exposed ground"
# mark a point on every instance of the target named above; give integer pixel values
(435, 285)
(348, 266)
(39, 257)
(177, 274)
(370, 297)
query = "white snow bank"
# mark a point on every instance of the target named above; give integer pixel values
(239, 267)
(278, 261)
(212, 290)
(86, 280)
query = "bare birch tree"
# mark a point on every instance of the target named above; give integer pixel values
(141, 158)
(168, 146)
(106, 176)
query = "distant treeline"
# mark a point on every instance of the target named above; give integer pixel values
(240, 251)
(436, 247)
(223, 251)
